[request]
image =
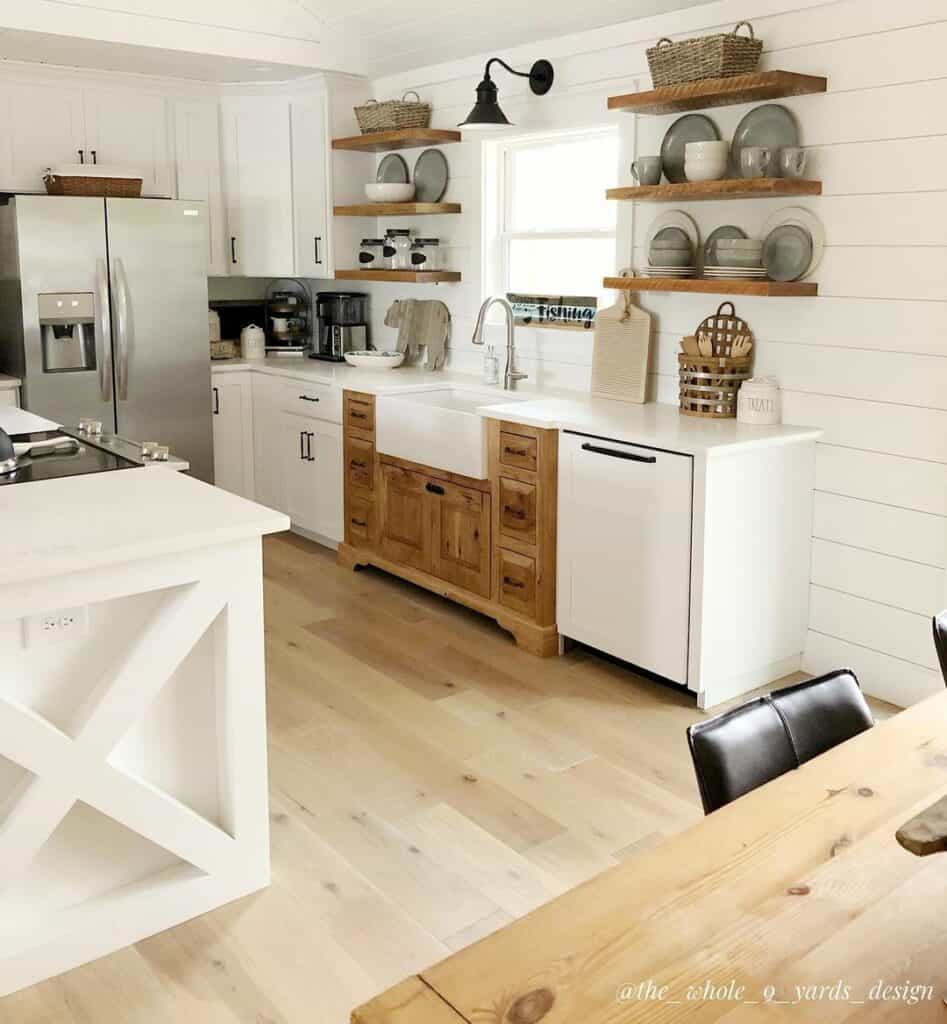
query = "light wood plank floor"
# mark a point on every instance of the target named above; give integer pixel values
(430, 783)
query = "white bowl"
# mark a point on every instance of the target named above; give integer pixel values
(372, 360)
(710, 149)
(389, 192)
(705, 170)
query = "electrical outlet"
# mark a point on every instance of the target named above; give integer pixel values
(55, 627)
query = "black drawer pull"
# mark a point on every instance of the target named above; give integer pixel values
(630, 456)
(521, 452)
(357, 415)
(516, 513)
(360, 522)
(434, 488)
(508, 581)
(355, 464)
(307, 398)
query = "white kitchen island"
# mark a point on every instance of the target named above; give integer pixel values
(133, 785)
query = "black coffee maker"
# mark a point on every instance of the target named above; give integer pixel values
(342, 324)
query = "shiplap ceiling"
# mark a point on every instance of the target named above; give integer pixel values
(217, 40)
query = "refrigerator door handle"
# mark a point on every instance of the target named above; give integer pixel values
(123, 325)
(103, 330)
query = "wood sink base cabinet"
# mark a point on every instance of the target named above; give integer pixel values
(487, 544)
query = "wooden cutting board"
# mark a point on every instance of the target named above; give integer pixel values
(621, 352)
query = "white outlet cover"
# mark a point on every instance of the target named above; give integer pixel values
(55, 627)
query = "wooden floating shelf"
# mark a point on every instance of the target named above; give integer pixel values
(769, 289)
(404, 276)
(402, 138)
(729, 188)
(718, 92)
(395, 209)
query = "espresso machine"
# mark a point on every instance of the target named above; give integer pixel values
(342, 324)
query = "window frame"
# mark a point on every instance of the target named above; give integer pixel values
(504, 184)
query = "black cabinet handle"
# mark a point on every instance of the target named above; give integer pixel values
(508, 581)
(629, 456)
(308, 398)
(233, 248)
(81, 153)
(302, 445)
(359, 522)
(516, 513)
(355, 464)
(309, 456)
(315, 248)
(521, 452)
(216, 401)
(95, 158)
(434, 488)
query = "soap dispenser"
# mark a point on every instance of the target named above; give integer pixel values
(491, 366)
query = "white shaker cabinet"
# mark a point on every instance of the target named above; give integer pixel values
(311, 452)
(40, 125)
(258, 186)
(197, 149)
(310, 187)
(231, 404)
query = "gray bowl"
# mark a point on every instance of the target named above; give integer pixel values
(670, 257)
(741, 244)
(739, 259)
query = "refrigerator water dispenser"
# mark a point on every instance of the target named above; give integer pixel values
(67, 326)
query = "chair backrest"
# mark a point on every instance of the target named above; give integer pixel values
(738, 751)
(940, 641)
(759, 741)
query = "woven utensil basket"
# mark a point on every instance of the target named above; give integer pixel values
(717, 56)
(710, 384)
(80, 185)
(722, 328)
(393, 114)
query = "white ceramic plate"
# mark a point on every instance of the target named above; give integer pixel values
(674, 219)
(803, 218)
(372, 360)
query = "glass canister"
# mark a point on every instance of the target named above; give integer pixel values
(426, 254)
(371, 254)
(398, 249)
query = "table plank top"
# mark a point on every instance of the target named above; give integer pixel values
(797, 895)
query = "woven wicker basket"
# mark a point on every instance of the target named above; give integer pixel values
(710, 384)
(393, 114)
(717, 56)
(82, 185)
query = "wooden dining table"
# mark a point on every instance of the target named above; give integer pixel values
(794, 903)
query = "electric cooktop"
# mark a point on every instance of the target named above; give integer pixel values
(87, 458)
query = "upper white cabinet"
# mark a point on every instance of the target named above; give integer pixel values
(258, 185)
(46, 123)
(308, 122)
(130, 127)
(197, 149)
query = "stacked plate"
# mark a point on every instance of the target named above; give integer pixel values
(652, 271)
(739, 258)
(670, 254)
(738, 273)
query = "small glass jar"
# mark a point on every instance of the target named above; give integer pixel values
(371, 254)
(426, 254)
(398, 249)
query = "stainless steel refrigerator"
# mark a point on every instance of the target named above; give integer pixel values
(103, 314)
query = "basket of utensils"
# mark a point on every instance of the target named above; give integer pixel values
(714, 361)
(691, 60)
(390, 115)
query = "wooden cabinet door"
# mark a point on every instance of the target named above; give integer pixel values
(129, 127)
(460, 518)
(405, 518)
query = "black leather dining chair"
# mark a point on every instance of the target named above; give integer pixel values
(940, 641)
(749, 745)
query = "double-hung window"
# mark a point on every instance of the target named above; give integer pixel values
(556, 228)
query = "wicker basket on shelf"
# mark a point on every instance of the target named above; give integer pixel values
(717, 56)
(710, 382)
(92, 185)
(393, 114)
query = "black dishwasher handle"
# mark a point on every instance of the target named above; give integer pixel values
(630, 456)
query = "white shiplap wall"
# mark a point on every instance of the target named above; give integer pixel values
(866, 361)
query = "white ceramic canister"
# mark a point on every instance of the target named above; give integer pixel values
(253, 342)
(760, 402)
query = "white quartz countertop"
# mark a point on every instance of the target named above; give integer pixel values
(78, 523)
(654, 425)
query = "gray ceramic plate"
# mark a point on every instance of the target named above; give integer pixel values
(787, 252)
(770, 125)
(724, 231)
(430, 176)
(393, 170)
(689, 128)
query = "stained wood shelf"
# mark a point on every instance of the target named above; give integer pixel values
(719, 92)
(768, 289)
(729, 188)
(402, 138)
(395, 209)
(404, 276)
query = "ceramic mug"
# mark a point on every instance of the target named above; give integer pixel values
(646, 170)
(756, 161)
(792, 161)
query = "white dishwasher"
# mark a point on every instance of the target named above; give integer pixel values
(624, 551)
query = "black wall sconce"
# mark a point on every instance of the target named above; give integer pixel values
(486, 113)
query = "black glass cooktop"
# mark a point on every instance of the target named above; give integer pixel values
(87, 459)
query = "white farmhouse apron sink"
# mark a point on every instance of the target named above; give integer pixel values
(439, 428)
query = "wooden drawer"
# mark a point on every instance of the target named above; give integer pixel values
(518, 510)
(517, 587)
(360, 521)
(518, 451)
(359, 463)
(359, 412)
